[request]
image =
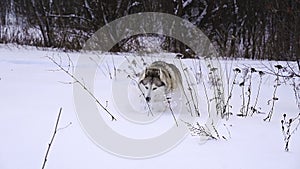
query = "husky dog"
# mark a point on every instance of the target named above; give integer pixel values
(161, 78)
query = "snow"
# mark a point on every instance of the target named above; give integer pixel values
(186, 3)
(31, 93)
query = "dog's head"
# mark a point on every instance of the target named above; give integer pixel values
(152, 79)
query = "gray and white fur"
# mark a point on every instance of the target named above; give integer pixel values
(160, 75)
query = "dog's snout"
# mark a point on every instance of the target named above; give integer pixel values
(148, 99)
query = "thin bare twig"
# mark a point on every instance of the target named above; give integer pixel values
(52, 139)
(287, 130)
(143, 94)
(274, 99)
(172, 112)
(226, 114)
(249, 90)
(114, 67)
(207, 99)
(191, 93)
(199, 130)
(99, 67)
(83, 86)
(253, 108)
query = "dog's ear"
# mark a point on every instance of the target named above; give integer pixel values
(161, 74)
(142, 75)
(162, 77)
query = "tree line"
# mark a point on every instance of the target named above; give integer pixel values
(265, 29)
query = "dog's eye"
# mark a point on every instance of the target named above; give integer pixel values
(154, 88)
(146, 87)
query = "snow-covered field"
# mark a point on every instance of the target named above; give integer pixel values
(32, 91)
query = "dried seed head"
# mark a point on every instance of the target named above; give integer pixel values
(213, 69)
(292, 74)
(278, 66)
(261, 73)
(237, 70)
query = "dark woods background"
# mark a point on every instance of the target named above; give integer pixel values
(264, 29)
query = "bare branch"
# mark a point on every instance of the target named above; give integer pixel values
(52, 139)
(83, 86)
